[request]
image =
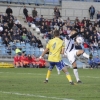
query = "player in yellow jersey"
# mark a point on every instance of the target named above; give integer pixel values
(55, 47)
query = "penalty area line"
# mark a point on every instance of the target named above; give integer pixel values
(32, 95)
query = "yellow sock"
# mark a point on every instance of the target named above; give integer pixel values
(48, 74)
(69, 78)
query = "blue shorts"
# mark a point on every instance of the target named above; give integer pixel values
(60, 65)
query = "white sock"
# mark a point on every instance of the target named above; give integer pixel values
(58, 70)
(86, 55)
(76, 74)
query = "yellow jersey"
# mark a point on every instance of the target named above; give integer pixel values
(55, 47)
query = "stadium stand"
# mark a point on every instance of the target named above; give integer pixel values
(15, 36)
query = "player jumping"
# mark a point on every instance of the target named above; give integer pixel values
(71, 52)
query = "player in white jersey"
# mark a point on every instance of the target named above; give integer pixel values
(71, 52)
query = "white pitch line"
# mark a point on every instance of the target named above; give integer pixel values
(32, 95)
(45, 74)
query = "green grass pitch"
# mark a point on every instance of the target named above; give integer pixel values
(27, 84)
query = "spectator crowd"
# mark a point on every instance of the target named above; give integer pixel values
(13, 31)
(90, 33)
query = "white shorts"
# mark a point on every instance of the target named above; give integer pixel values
(72, 56)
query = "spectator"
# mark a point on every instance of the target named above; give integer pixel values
(9, 49)
(39, 43)
(91, 11)
(56, 26)
(33, 42)
(57, 13)
(18, 51)
(91, 63)
(10, 24)
(29, 34)
(98, 18)
(42, 29)
(34, 13)
(29, 20)
(6, 41)
(9, 11)
(16, 21)
(5, 18)
(24, 38)
(37, 19)
(14, 28)
(96, 61)
(25, 12)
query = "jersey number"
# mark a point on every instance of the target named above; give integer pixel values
(54, 46)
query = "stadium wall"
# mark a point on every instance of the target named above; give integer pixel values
(47, 11)
(70, 9)
(75, 9)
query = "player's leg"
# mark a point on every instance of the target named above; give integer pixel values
(58, 70)
(52, 64)
(81, 52)
(75, 71)
(61, 66)
(17, 65)
(21, 64)
(72, 60)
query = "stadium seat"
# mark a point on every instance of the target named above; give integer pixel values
(23, 49)
(33, 26)
(11, 43)
(1, 45)
(41, 50)
(28, 51)
(27, 45)
(18, 45)
(3, 51)
(36, 52)
(23, 1)
(0, 40)
(37, 30)
(13, 53)
(22, 44)
(87, 50)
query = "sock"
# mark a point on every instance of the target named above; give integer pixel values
(76, 74)
(58, 70)
(86, 55)
(68, 77)
(48, 74)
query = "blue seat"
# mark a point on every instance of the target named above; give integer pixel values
(23, 49)
(87, 50)
(28, 51)
(3, 51)
(18, 45)
(13, 52)
(36, 51)
(0, 40)
(1, 45)
(22, 44)
(27, 45)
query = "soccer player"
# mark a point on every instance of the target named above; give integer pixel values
(71, 52)
(55, 47)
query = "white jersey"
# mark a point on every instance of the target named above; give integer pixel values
(69, 45)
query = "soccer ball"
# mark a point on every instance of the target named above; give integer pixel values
(79, 40)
